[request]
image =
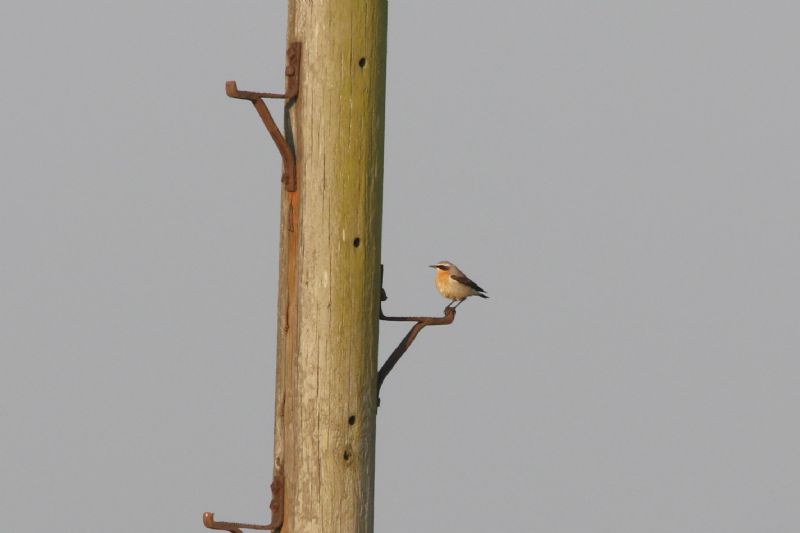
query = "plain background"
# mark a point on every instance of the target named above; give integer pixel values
(622, 177)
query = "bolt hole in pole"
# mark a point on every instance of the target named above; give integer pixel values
(351, 420)
(356, 242)
(362, 62)
(346, 455)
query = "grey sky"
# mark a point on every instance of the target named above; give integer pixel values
(621, 177)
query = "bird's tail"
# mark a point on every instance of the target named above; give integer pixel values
(482, 295)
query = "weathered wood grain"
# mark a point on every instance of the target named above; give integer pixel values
(329, 269)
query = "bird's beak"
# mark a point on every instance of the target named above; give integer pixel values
(432, 266)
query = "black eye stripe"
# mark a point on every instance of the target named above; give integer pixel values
(443, 267)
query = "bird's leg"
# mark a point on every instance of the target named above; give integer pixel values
(459, 303)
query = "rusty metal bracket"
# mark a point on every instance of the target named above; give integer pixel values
(405, 344)
(289, 177)
(275, 505)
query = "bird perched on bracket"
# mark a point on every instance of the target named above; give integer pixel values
(454, 284)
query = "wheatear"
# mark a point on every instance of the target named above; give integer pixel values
(454, 284)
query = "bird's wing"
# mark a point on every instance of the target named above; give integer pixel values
(468, 282)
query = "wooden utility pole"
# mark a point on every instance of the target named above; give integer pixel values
(325, 394)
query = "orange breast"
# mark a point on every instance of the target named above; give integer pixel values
(442, 281)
